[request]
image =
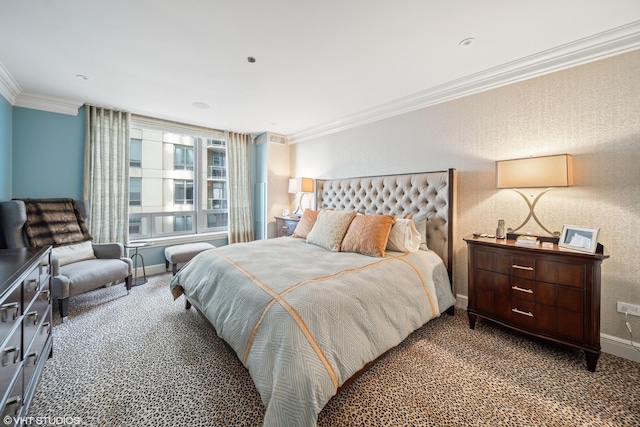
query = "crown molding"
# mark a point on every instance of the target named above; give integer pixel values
(48, 103)
(9, 88)
(609, 43)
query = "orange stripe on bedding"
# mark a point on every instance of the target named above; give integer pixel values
(332, 276)
(292, 312)
(300, 284)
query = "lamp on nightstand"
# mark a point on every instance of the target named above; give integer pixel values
(300, 187)
(535, 172)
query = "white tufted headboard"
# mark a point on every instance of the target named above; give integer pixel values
(400, 195)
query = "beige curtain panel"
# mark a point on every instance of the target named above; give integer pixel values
(106, 173)
(239, 182)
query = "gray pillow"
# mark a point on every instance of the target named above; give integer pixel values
(420, 220)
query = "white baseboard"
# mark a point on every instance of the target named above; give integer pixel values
(153, 269)
(619, 347)
(462, 301)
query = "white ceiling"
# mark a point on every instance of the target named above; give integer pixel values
(320, 65)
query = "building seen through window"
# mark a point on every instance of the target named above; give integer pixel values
(178, 183)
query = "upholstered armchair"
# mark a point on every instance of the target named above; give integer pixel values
(75, 268)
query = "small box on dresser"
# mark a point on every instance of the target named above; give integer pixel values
(286, 225)
(25, 326)
(551, 293)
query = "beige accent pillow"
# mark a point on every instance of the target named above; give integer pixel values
(330, 228)
(73, 253)
(368, 234)
(305, 224)
(404, 236)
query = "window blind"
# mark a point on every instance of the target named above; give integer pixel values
(151, 123)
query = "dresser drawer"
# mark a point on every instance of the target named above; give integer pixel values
(10, 356)
(35, 352)
(491, 282)
(561, 273)
(13, 401)
(35, 282)
(523, 267)
(10, 310)
(562, 297)
(493, 261)
(523, 289)
(37, 313)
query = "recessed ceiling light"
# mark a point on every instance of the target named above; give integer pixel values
(200, 105)
(467, 42)
(82, 77)
(251, 59)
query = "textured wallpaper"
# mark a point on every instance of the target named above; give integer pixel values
(591, 112)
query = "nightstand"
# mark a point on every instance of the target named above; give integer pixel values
(549, 293)
(285, 225)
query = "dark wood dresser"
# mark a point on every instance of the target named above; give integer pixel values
(285, 225)
(25, 326)
(549, 293)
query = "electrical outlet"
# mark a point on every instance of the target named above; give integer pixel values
(625, 307)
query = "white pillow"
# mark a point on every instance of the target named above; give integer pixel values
(404, 236)
(73, 253)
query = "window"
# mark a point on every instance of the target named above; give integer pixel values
(183, 171)
(135, 225)
(183, 192)
(183, 157)
(135, 153)
(135, 191)
(182, 223)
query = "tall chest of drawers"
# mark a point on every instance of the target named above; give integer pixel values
(25, 326)
(549, 293)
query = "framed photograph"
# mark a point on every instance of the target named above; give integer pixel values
(583, 239)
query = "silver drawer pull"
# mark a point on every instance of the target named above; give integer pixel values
(45, 329)
(524, 313)
(5, 355)
(33, 314)
(15, 403)
(46, 295)
(44, 269)
(33, 355)
(9, 306)
(32, 285)
(518, 288)
(520, 267)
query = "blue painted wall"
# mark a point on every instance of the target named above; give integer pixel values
(48, 154)
(6, 140)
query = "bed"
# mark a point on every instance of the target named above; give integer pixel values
(306, 319)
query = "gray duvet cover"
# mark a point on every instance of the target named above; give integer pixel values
(303, 319)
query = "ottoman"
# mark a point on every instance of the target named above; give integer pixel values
(179, 254)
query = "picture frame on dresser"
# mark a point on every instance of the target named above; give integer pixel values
(583, 239)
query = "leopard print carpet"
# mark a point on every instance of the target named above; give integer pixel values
(142, 360)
